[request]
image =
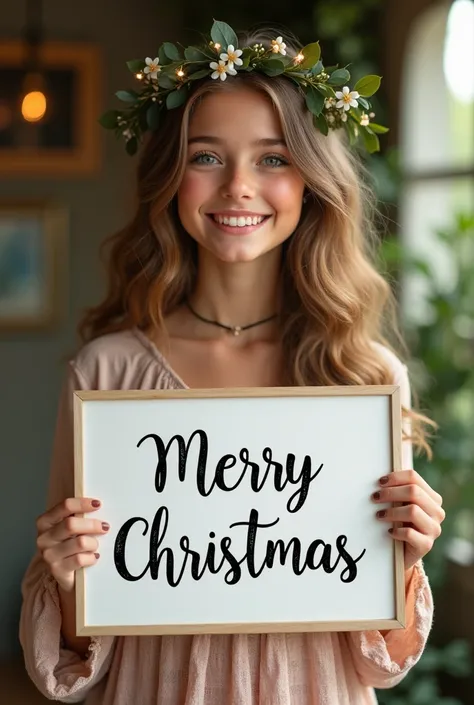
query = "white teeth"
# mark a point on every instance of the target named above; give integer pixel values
(239, 222)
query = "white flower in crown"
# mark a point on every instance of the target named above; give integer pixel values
(232, 56)
(221, 69)
(152, 67)
(364, 120)
(279, 46)
(347, 99)
(344, 117)
(329, 103)
(127, 134)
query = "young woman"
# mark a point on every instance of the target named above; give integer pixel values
(246, 264)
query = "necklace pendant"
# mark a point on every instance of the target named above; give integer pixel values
(236, 330)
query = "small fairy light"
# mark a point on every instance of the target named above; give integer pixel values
(139, 76)
(299, 58)
(180, 73)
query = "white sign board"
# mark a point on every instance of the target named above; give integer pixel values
(244, 510)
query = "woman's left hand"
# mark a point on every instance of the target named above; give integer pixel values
(421, 513)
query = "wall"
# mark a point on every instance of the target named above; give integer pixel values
(30, 364)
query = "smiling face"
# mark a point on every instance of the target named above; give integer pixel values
(240, 196)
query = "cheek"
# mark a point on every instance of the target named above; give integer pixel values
(287, 195)
(192, 192)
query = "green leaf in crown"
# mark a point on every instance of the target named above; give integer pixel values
(223, 35)
(165, 80)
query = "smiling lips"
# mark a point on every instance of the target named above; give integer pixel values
(242, 221)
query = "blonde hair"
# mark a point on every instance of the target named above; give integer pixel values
(335, 306)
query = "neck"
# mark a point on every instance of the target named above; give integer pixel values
(237, 294)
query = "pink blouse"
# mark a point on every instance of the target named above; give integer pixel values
(268, 669)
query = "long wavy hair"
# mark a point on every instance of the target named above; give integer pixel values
(335, 306)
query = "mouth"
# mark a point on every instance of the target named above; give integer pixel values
(238, 221)
(238, 224)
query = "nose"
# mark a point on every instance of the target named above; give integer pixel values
(238, 183)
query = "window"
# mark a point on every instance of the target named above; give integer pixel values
(437, 137)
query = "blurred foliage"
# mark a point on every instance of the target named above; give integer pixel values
(442, 347)
(442, 369)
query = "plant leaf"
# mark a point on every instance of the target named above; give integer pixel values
(199, 74)
(320, 123)
(127, 96)
(194, 54)
(109, 119)
(131, 146)
(136, 65)
(326, 90)
(153, 116)
(165, 81)
(172, 51)
(314, 101)
(365, 103)
(378, 129)
(223, 34)
(317, 68)
(371, 140)
(339, 77)
(176, 98)
(272, 67)
(312, 54)
(162, 56)
(368, 85)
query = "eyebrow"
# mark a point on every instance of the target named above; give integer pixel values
(264, 142)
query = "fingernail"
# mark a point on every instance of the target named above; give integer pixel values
(105, 526)
(97, 555)
(383, 480)
(381, 514)
(376, 495)
(95, 503)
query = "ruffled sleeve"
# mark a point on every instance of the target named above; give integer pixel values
(382, 661)
(60, 674)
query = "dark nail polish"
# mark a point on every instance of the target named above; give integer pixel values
(390, 531)
(381, 514)
(105, 526)
(376, 495)
(97, 555)
(95, 503)
(383, 480)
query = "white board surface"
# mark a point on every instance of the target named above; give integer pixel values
(343, 442)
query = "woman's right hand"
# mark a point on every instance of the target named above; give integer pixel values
(68, 542)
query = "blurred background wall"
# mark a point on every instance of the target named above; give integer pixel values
(424, 179)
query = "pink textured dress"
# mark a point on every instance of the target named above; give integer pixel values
(274, 669)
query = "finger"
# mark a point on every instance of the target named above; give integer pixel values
(414, 516)
(411, 494)
(69, 506)
(69, 527)
(420, 543)
(73, 563)
(66, 549)
(410, 477)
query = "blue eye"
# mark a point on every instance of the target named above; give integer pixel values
(277, 161)
(203, 158)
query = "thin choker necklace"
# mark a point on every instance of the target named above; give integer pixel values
(236, 330)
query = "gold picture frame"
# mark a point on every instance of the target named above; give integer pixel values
(33, 265)
(80, 153)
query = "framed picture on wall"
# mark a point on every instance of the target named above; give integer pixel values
(63, 138)
(33, 265)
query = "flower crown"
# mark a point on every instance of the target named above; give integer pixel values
(166, 81)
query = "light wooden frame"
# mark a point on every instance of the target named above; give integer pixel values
(55, 222)
(85, 155)
(393, 394)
